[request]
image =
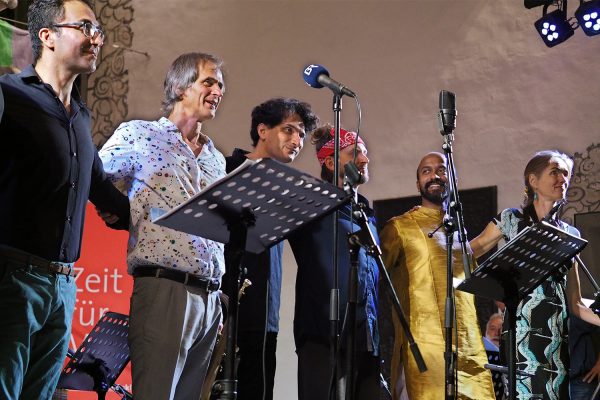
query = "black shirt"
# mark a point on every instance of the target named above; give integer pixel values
(48, 168)
(312, 246)
(259, 307)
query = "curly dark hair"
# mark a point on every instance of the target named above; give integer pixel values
(42, 14)
(272, 112)
(319, 137)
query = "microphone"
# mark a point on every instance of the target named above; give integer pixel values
(352, 178)
(554, 210)
(317, 76)
(353, 175)
(447, 115)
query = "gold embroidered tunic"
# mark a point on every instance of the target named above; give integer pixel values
(417, 267)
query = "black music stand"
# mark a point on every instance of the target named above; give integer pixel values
(498, 380)
(509, 275)
(257, 205)
(100, 359)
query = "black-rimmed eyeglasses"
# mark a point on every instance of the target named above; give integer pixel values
(89, 29)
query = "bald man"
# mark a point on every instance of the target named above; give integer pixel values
(417, 266)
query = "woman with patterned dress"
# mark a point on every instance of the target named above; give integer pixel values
(542, 316)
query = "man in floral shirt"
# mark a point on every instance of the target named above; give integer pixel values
(175, 309)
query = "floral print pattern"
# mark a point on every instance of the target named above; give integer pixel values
(159, 170)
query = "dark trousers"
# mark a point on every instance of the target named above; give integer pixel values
(314, 373)
(580, 390)
(256, 368)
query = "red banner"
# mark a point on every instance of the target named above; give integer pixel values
(102, 285)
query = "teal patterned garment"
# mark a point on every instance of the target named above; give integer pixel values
(542, 330)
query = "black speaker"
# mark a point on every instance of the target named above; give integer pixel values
(536, 3)
(479, 205)
(589, 226)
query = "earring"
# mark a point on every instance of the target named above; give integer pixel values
(535, 196)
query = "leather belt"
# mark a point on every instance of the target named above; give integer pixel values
(26, 259)
(210, 285)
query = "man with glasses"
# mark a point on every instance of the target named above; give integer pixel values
(49, 168)
(89, 29)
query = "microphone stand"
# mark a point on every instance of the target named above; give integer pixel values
(449, 314)
(334, 297)
(454, 210)
(351, 323)
(595, 306)
(453, 222)
(365, 238)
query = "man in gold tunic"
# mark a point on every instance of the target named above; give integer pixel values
(417, 266)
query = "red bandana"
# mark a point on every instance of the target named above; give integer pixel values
(346, 139)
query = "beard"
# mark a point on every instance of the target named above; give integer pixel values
(436, 197)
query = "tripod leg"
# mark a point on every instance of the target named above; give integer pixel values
(511, 313)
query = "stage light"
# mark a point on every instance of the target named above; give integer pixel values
(588, 16)
(554, 27)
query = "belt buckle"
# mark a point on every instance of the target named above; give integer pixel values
(212, 285)
(59, 268)
(202, 283)
(54, 267)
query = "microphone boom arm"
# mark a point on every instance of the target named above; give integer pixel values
(367, 240)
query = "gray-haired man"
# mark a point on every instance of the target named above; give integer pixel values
(175, 309)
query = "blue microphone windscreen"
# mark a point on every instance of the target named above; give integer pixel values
(311, 74)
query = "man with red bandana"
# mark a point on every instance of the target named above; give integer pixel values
(313, 250)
